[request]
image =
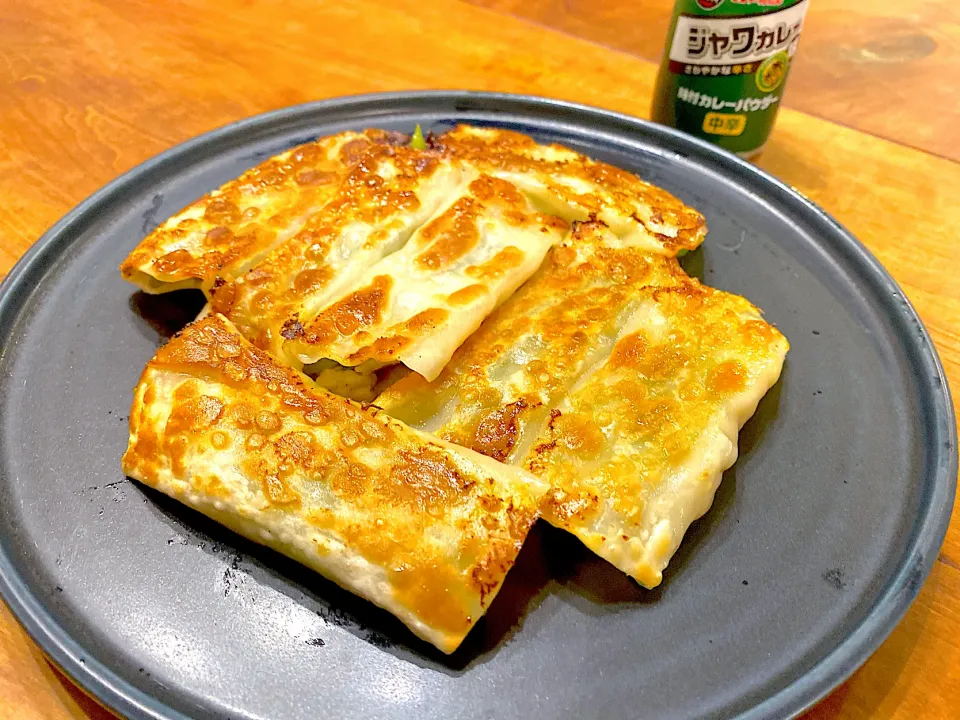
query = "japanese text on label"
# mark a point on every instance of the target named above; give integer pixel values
(711, 102)
(728, 41)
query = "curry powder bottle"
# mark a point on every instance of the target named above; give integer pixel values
(725, 67)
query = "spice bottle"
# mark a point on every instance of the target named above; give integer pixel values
(725, 67)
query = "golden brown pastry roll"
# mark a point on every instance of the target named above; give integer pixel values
(617, 379)
(414, 524)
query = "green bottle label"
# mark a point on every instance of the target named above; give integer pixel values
(725, 68)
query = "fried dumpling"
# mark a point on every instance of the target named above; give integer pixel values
(418, 305)
(232, 228)
(496, 393)
(388, 194)
(418, 526)
(578, 188)
(310, 254)
(617, 379)
(634, 452)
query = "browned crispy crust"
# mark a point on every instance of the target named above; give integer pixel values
(228, 230)
(273, 248)
(359, 326)
(577, 298)
(675, 225)
(220, 425)
(279, 289)
(617, 379)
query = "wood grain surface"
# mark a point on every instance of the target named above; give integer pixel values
(90, 89)
(886, 68)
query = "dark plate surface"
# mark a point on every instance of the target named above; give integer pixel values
(819, 538)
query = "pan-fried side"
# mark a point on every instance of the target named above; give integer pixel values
(231, 229)
(618, 380)
(420, 527)
(385, 197)
(576, 187)
(495, 395)
(307, 255)
(635, 451)
(417, 305)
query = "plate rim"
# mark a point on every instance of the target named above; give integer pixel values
(902, 587)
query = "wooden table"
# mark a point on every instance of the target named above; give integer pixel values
(90, 89)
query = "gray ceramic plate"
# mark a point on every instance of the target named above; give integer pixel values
(819, 538)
